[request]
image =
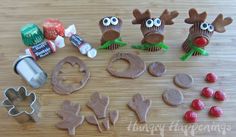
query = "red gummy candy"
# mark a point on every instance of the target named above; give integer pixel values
(216, 111)
(190, 117)
(220, 96)
(207, 92)
(211, 77)
(197, 104)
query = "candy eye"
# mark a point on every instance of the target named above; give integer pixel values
(149, 23)
(114, 21)
(210, 28)
(157, 22)
(106, 21)
(204, 26)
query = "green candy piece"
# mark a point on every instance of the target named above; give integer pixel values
(117, 41)
(31, 34)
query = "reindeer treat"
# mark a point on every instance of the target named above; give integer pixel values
(153, 29)
(200, 33)
(110, 27)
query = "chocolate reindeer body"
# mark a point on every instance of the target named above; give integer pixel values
(110, 27)
(153, 28)
(200, 33)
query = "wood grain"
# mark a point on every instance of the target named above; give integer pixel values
(85, 14)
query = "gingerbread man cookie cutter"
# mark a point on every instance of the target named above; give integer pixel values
(11, 103)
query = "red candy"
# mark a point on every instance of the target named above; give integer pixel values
(211, 77)
(220, 96)
(201, 41)
(197, 104)
(190, 116)
(52, 28)
(216, 111)
(207, 92)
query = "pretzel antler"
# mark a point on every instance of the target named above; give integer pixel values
(168, 17)
(195, 17)
(219, 23)
(139, 17)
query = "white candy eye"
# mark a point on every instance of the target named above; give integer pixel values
(204, 26)
(149, 23)
(210, 28)
(106, 21)
(114, 21)
(157, 22)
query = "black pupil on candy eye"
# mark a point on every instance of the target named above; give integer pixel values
(204, 25)
(158, 21)
(114, 20)
(149, 22)
(105, 20)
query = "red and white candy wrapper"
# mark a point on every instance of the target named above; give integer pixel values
(52, 28)
(84, 47)
(45, 48)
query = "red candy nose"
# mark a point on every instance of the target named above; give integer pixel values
(200, 41)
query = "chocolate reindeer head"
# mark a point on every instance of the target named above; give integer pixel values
(110, 27)
(153, 28)
(200, 32)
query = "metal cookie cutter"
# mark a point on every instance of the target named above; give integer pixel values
(16, 102)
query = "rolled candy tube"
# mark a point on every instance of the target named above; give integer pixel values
(84, 47)
(45, 48)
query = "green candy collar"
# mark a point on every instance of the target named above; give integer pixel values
(117, 41)
(194, 48)
(146, 46)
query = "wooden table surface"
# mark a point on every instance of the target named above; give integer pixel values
(163, 120)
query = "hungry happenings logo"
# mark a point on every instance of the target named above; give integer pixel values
(177, 126)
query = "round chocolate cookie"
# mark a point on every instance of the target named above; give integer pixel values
(172, 97)
(183, 80)
(156, 69)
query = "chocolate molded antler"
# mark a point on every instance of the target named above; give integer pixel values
(195, 17)
(168, 17)
(219, 23)
(98, 104)
(139, 17)
(141, 106)
(71, 117)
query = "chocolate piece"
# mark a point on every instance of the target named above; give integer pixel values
(136, 65)
(98, 104)
(172, 97)
(156, 69)
(140, 107)
(200, 32)
(106, 124)
(183, 80)
(71, 117)
(110, 27)
(114, 116)
(153, 28)
(57, 82)
(93, 120)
